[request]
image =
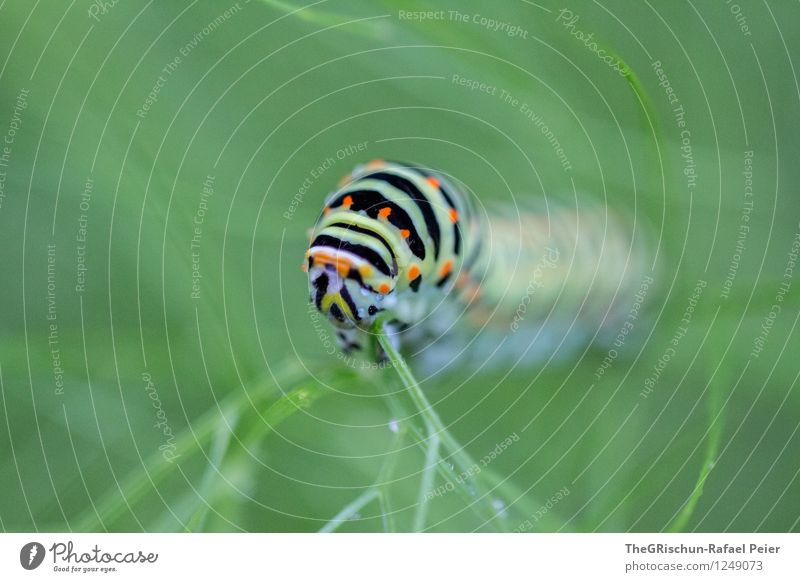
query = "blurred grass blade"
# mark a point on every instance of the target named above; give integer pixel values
(143, 481)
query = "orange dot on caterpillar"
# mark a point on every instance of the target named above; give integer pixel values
(446, 268)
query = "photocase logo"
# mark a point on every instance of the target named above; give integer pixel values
(31, 555)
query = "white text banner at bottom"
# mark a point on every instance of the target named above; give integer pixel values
(384, 557)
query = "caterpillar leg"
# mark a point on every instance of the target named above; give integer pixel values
(349, 340)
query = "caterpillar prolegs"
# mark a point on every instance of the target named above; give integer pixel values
(407, 242)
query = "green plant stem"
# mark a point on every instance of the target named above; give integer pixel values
(420, 441)
(712, 449)
(433, 423)
(426, 482)
(350, 510)
(385, 474)
(378, 489)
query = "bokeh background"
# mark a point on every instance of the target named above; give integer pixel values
(161, 164)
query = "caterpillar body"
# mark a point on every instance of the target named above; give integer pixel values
(408, 241)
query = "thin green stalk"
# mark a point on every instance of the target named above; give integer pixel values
(426, 482)
(350, 510)
(712, 449)
(386, 511)
(428, 414)
(434, 425)
(524, 504)
(219, 447)
(384, 475)
(377, 489)
(447, 473)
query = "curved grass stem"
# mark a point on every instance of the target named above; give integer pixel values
(716, 417)
(350, 510)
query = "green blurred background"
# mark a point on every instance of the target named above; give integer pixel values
(133, 401)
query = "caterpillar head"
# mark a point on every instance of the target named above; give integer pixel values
(345, 288)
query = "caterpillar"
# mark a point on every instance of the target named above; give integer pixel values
(399, 238)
